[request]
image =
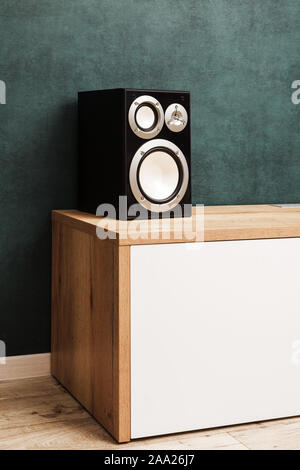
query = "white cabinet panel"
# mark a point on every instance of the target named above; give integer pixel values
(215, 331)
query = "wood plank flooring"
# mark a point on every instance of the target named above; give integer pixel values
(38, 413)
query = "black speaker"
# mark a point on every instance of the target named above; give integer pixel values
(135, 143)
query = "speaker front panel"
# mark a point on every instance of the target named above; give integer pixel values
(158, 169)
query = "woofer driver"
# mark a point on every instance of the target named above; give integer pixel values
(159, 175)
(146, 117)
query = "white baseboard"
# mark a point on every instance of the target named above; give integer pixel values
(21, 367)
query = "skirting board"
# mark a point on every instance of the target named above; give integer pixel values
(21, 367)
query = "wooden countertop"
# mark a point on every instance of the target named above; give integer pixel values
(210, 223)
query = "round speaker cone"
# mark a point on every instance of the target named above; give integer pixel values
(145, 117)
(158, 175)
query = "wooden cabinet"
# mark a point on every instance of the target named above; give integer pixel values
(160, 334)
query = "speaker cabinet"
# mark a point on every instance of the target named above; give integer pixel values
(135, 143)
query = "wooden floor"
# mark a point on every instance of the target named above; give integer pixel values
(39, 414)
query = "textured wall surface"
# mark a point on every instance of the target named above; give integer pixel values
(238, 58)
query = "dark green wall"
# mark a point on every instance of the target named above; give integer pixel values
(238, 58)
